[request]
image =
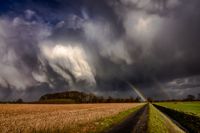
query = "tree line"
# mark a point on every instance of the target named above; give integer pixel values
(189, 97)
(81, 97)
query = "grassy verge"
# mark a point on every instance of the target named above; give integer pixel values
(106, 123)
(190, 122)
(159, 123)
(95, 126)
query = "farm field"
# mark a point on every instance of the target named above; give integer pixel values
(84, 118)
(186, 107)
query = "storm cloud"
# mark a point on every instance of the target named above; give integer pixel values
(98, 46)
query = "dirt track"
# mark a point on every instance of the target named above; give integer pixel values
(135, 123)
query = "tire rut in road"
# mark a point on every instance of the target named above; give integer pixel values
(141, 125)
(135, 123)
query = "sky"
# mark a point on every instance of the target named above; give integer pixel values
(100, 47)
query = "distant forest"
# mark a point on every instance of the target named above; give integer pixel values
(81, 97)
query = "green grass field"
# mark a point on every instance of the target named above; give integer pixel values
(186, 107)
(159, 123)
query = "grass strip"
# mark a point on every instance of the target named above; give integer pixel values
(159, 123)
(106, 123)
(188, 121)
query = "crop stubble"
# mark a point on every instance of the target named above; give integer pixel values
(40, 117)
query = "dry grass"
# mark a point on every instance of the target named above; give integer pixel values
(159, 123)
(26, 118)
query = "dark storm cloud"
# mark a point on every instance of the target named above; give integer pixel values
(97, 46)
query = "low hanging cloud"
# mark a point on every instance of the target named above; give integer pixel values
(17, 38)
(102, 34)
(70, 62)
(27, 53)
(92, 45)
(143, 28)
